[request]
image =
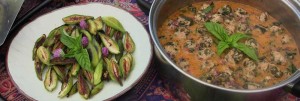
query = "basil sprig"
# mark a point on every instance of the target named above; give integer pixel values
(231, 41)
(76, 49)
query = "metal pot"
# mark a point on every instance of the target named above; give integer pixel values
(286, 11)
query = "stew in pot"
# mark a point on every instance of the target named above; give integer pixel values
(230, 44)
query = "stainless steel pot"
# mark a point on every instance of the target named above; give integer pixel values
(286, 11)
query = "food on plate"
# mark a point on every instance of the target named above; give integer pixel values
(229, 44)
(84, 53)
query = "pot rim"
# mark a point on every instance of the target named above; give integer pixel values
(153, 15)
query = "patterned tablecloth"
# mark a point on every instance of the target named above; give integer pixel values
(151, 88)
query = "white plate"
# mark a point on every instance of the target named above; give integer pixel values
(21, 66)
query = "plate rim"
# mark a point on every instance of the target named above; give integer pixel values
(74, 5)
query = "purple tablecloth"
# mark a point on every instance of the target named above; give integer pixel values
(152, 87)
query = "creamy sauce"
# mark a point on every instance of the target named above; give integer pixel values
(194, 49)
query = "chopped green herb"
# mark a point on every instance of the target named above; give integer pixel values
(209, 8)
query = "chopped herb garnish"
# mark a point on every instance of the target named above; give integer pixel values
(209, 8)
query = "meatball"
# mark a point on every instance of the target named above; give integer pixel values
(277, 58)
(225, 10)
(190, 45)
(183, 64)
(247, 63)
(249, 69)
(243, 27)
(237, 55)
(207, 64)
(241, 13)
(200, 17)
(172, 24)
(230, 26)
(229, 58)
(263, 17)
(252, 43)
(184, 21)
(171, 48)
(208, 41)
(263, 65)
(285, 39)
(275, 71)
(276, 29)
(205, 53)
(182, 32)
(217, 18)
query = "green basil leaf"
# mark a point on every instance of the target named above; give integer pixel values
(217, 30)
(67, 40)
(84, 60)
(236, 37)
(71, 53)
(78, 39)
(221, 47)
(114, 23)
(209, 8)
(250, 52)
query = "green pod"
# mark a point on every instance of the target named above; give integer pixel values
(92, 27)
(118, 35)
(112, 32)
(118, 56)
(109, 69)
(126, 65)
(109, 43)
(89, 76)
(97, 89)
(82, 86)
(66, 86)
(60, 71)
(75, 18)
(39, 42)
(113, 70)
(107, 30)
(39, 67)
(87, 34)
(44, 55)
(74, 69)
(129, 44)
(66, 30)
(130, 57)
(114, 23)
(75, 33)
(93, 55)
(98, 48)
(99, 23)
(73, 90)
(51, 80)
(98, 72)
(52, 37)
(34, 53)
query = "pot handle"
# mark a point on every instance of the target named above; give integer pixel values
(145, 5)
(296, 89)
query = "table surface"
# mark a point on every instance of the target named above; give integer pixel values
(151, 88)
